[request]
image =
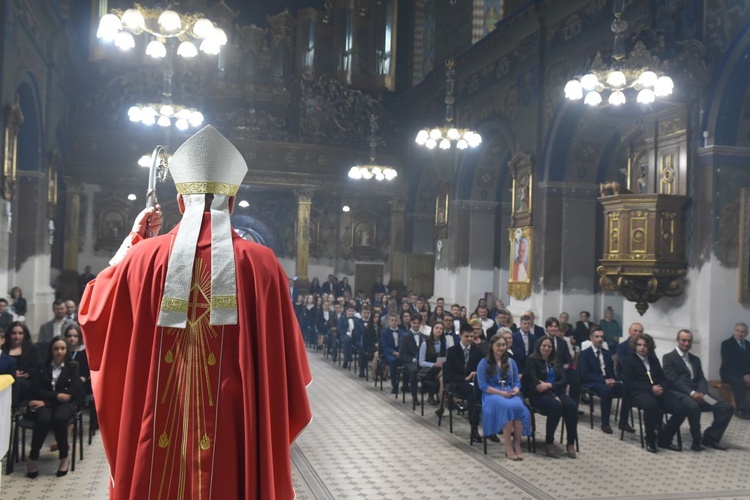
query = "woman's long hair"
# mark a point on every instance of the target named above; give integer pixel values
(26, 336)
(492, 361)
(56, 339)
(431, 352)
(537, 354)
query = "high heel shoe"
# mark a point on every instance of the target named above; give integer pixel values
(32, 475)
(513, 457)
(61, 473)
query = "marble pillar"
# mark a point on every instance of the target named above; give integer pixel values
(304, 203)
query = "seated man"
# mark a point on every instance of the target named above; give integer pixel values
(390, 341)
(408, 353)
(523, 341)
(333, 328)
(350, 330)
(597, 372)
(685, 379)
(564, 358)
(735, 367)
(583, 328)
(459, 370)
(645, 381)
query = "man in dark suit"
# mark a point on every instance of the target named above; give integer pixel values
(6, 318)
(583, 328)
(329, 286)
(624, 349)
(735, 367)
(564, 358)
(408, 353)
(523, 341)
(449, 328)
(378, 286)
(645, 382)
(390, 341)
(350, 330)
(368, 343)
(538, 330)
(293, 290)
(597, 372)
(685, 378)
(459, 370)
(333, 329)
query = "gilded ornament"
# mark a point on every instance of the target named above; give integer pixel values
(205, 443)
(169, 357)
(211, 359)
(163, 440)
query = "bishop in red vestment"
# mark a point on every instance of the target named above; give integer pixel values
(202, 412)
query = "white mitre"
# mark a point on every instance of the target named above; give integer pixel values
(206, 163)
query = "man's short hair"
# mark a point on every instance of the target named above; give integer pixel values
(588, 314)
(525, 317)
(439, 299)
(467, 328)
(684, 330)
(595, 328)
(447, 314)
(365, 307)
(58, 302)
(742, 324)
(4, 301)
(350, 306)
(551, 321)
(417, 318)
(455, 305)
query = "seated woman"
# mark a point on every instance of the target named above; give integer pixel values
(502, 407)
(57, 392)
(544, 384)
(18, 345)
(371, 343)
(321, 323)
(432, 354)
(315, 288)
(77, 351)
(19, 303)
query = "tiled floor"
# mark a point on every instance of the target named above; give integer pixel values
(363, 443)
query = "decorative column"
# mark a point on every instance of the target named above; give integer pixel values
(397, 244)
(304, 202)
(69, 276)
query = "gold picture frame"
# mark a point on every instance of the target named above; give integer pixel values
(12, 120)
(53, 163)
(522, 202)
(744, 255)
(521, 250)
(442, 202)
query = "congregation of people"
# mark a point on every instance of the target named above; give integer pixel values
(501, 373)
(51, 372)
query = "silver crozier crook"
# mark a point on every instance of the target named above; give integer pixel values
(157, 173)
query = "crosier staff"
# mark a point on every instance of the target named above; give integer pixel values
(157, 173)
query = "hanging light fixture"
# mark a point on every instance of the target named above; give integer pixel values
(448, 135)
(372, 170)
(165, 115)
(634, 76)
(165, 28)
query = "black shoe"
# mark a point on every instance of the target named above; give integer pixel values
(361, 374)
(696, 446)
(415, 401)
(493, 438)
(580, 412)
(606, 429)
(394, 390)
(62, 473)
(670, 446)
(475, 437)
(439, 412)
(743, 415)
(627, 428)
(710, 443)
(650, 447)
(32, 475)
(345, 366)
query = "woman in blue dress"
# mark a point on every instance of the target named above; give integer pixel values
(502, 404)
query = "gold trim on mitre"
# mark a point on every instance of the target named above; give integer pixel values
(202, 187)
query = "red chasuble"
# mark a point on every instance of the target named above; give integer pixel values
(205, 412)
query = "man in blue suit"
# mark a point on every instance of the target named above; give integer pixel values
(390, 341)
(597, 373)
(350, 330)
(524, 339)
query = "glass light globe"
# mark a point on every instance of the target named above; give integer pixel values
(354, 173)
(474, 140)
(462, 144)
(243, 204)
(589, 82)
(133, 20)
(163, 121)
(124, 40)
(109, 26)
(573, 90)
(647, 79)
(616, 79)
(379, 176)
(345, 208)
(135, 114)
(617, 98)
(196, 118)
(664, 86)
(366, 174)
(144, 161)
(593, 98)
(210, 47)
(390, 174)
(166, 110)
(156, 49)
(422, 137)
(646, 96)
(435, 134)
(431, 143)
(219, 36)
(445, 144)
(183, 114)
(453, 134)
(203, 28)
(181, 124)
(170, 21)
(132, 197)
(148, 119)
(187, 50)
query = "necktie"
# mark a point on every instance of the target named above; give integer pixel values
(686, 358)
(742, 346)
(466, 355)
(395, 337)
(599, 359)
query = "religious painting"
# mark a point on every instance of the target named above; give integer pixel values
(113, 221)
(53, 163)
(442, 199)
(744, 288)
(521, 167)
(364, 233)
(519, 282)
(13, 120)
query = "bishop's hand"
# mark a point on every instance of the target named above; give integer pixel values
(148, 221)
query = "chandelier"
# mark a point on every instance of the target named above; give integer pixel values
(166, 115)
(446, 136)
(372, 170)
(164, 27)
(634, 76)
